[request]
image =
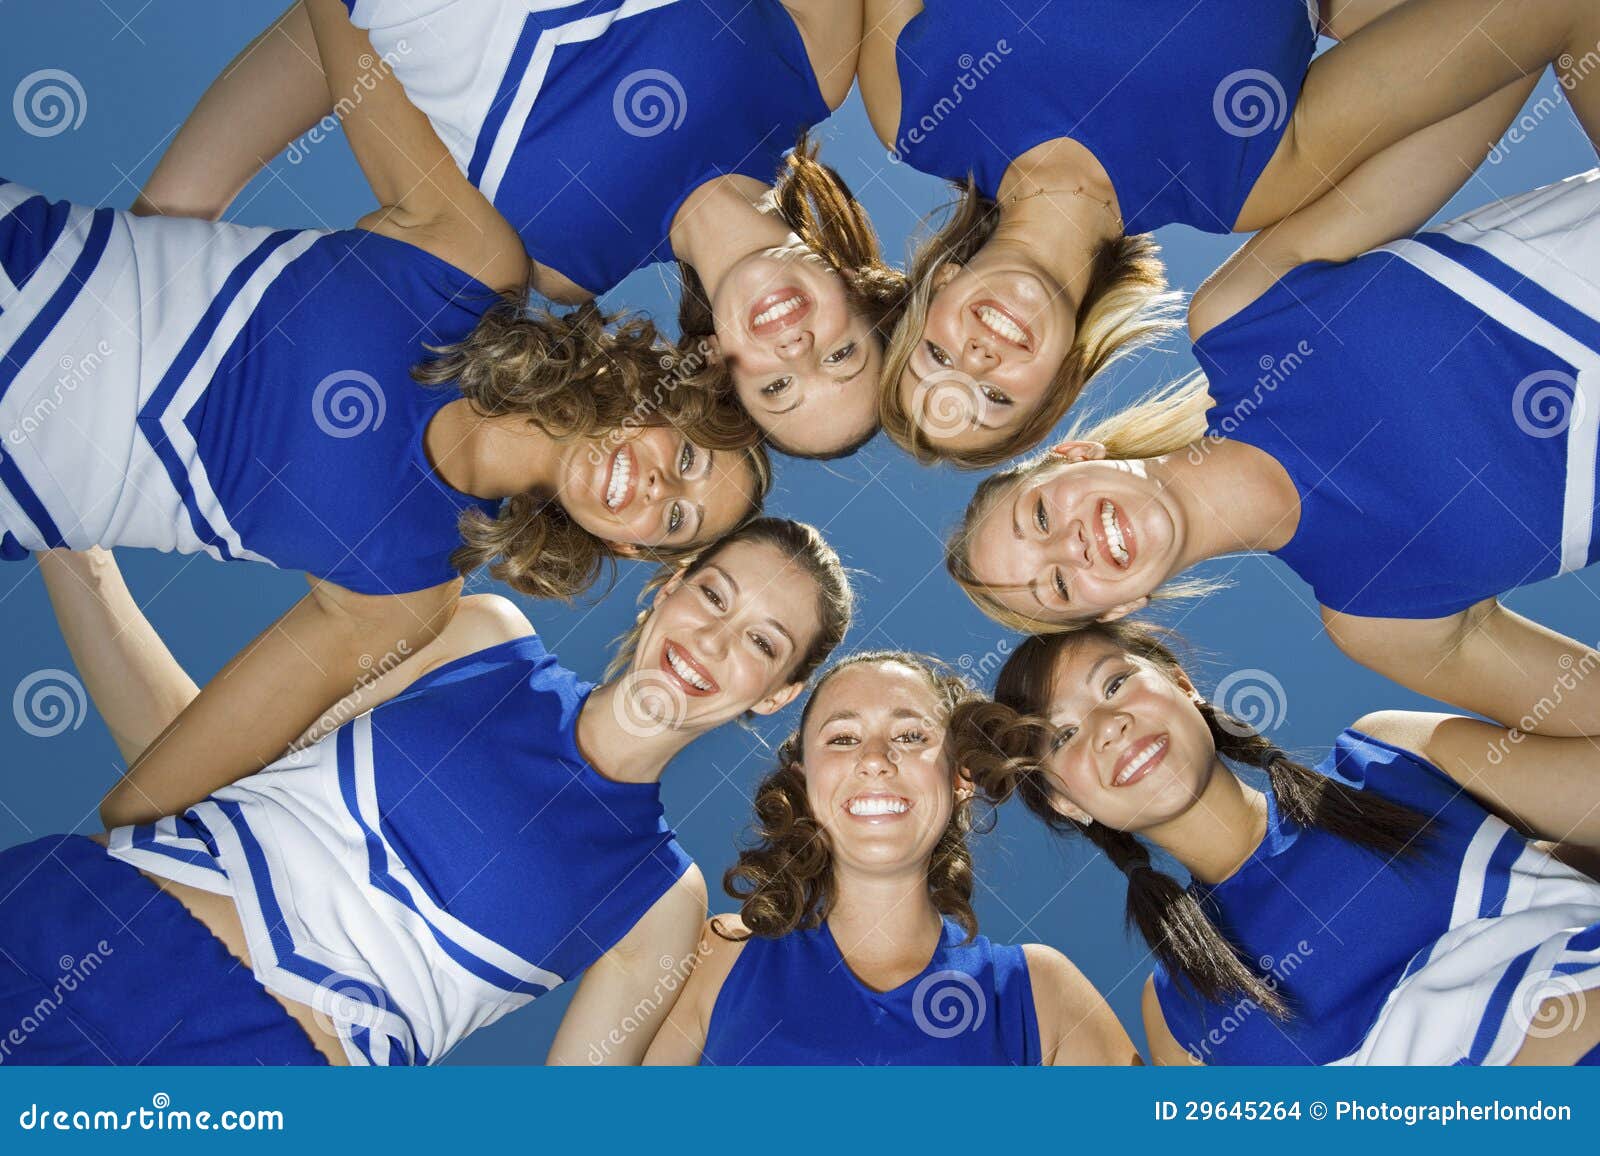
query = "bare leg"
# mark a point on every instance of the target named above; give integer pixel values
(1413, 66)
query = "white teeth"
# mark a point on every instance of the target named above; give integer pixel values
(1108, 520)
(993, 319)
(781, 309)
(684, 671)
(1145, 756)
(869, 805)
(621, 471)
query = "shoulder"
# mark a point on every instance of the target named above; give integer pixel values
(1164, 1047)
(485, 620)
(831, 30)
(1236, 285)
(669, 928)
(1076, 1025)
(715, 957)
(1058, 986)
(1454, 744)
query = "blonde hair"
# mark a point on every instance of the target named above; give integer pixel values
(819, 207)
(1127, 306)
(576, 375)
(1168, 420)
(801, 544)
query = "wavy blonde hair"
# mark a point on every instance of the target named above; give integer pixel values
(819, 207)
(576, 375)
(1126, 307)
(784, 881)
(1166, 421)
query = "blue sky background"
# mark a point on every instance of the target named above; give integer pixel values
(143, 66)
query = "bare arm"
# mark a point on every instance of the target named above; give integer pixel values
(426, 200)
(682, 1039)
(136, 684)
(1392, 195)
(268, 694)
(1076, 1025)
(626, 997)
(271, 93)
(1487, 660)
(1165, 1051)
(1548, 787)
(831, 30)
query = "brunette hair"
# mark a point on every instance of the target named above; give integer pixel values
(784, 881)
(1126, 307)
(582, 374)
(817, 205)
(1002, 744)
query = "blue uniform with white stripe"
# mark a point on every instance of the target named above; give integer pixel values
(1183, 102)
(1436, 403)
(587, 122)
(188, 385)
(1442, 957)
(432, 865)
(794, 1000)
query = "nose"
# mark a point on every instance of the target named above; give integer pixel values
(1110, 728)
(795, 344)
(877, 758)
(1078, 545)
(977, 356)
(654, 484)
(714, 639)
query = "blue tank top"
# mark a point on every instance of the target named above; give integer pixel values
(433, 864)
(1183, 103)
(794, 1000)
(261, 407)
(588, 123)
(1434, 403)
(1419, 960)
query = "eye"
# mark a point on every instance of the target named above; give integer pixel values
(1116, 684)
(764, 645)
(940, 357)
(777, 387)
(675, 518)
(839, 356)
(1040, 517)
(1060, 584)
(686, 458)
(713, 597)
(1061, 738)
(994, 396)
(842, 741)
(910, 738)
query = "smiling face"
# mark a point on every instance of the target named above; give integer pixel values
(727, 638)
(878, 773)
(999, 328)
(656, 489)
(803, 361)
(1076, 541)
(1128, 746)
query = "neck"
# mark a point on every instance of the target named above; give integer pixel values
(1223, 828)
(884, 918)
(625, 755)
(1054, 212)
(721, 223)
(1229, 497)
(491, 457)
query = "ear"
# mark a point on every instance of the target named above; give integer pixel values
(965, 788)
(669, 587)
(1079, 451)
(713, 348)
(946, 273)
(1182, 679)
(1067, 809)
(1125, 609)
(779, 699)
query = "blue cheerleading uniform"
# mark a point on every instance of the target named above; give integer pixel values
(1440, 957)
(1436, 403)
(430, 866)
(587, 122)
(1183, 102)
(194, 386)
(793, 1000)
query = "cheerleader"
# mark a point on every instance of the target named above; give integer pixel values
(1412, 431)
(192, 386)
(1074, 130)
(856, 942)
(616, 135)
(1386, 907)
(488, 828)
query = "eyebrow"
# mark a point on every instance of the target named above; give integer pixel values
(903, 712)
(772, 622)
(1104, 658)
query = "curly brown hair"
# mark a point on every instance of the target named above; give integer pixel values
(580, 374)
(1002, 745)
(819, 207)
(1126, 307)
(784, 880)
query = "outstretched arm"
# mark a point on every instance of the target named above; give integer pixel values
(1488, 660)
(271, 93)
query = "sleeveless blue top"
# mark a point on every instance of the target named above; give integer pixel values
(433, 864)
(1182, 102)
(1425, 400)
(587, 124)
(793, 1000)
(196, 386)
(1358, 945)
